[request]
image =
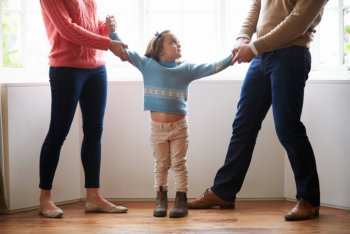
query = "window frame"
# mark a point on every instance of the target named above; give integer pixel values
(341, 31)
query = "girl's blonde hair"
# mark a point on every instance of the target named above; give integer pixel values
(156, 45)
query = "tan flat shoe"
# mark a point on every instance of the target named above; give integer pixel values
(58, 213)
(89, 207)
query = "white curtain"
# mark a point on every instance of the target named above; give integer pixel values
(3, 199)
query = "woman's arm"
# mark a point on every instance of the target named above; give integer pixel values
(117, 47)
(134, 58)
(104, 31)
(58, 15)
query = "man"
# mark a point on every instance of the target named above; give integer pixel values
(276, 76)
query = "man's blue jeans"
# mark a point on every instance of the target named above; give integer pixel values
(68, 87)
(274, 78)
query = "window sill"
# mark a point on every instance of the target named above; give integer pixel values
(318, 74)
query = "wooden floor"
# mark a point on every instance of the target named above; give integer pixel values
(248, 217)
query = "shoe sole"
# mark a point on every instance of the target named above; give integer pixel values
(314, 215)
(51, 217)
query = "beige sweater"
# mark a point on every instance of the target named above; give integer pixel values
(282, 23)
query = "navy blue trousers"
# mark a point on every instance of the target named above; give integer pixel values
(274, 79)
(68, 87)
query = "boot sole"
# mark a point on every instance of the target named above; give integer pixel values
(159, 214)
(177, 216)
(214, 207)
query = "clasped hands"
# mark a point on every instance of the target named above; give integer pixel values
(117, 47)
(242, 53)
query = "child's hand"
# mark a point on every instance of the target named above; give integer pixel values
(110, 23)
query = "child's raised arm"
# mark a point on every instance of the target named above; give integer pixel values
(207, 69)
(133, 57)
(117, 47)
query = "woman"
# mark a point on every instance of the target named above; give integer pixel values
(77, 74)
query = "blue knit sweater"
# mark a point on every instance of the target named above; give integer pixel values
(166, 84)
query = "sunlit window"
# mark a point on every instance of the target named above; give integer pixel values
(206, 29)
(194, 22)
(325, 46)
(346, 38)
(11, 16)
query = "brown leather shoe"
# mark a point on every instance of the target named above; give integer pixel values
(302, 210)
(208, 200)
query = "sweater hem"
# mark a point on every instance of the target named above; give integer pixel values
(78, 65)
(165, 111)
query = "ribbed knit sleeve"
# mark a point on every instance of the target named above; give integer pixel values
(57, 13)
(301, 20)
(249, 25)
(102, 27)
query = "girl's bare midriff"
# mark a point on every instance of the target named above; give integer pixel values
(163, 117)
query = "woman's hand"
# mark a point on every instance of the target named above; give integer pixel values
(117, 47)
(111, 25)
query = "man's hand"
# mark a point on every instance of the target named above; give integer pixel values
(111, 25)
(117, 47)
(240, 41)
(243, 54)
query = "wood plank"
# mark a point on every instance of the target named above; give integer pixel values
(248, 217)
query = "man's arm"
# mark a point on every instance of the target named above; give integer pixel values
(296, 24)
(249, 25)
(244, 37)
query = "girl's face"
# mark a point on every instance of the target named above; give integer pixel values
(171, 48)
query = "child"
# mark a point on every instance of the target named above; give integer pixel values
(166, 82)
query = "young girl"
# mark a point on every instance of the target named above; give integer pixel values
(166, 82)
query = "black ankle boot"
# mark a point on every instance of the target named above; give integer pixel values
(161, 203)
(180, 207)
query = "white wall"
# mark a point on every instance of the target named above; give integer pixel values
(28, 121)
(127, 165)
(326, 115)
